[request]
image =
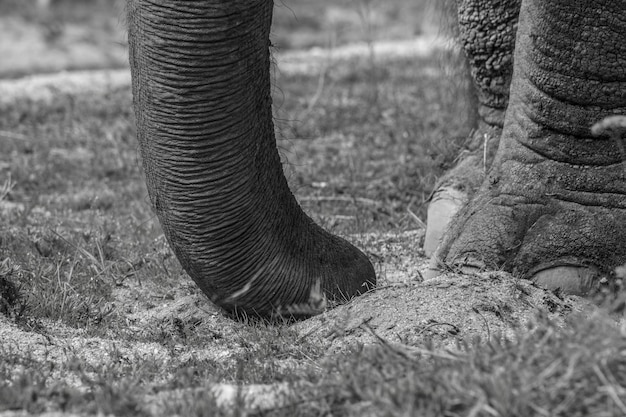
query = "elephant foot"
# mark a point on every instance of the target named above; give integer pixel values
(459, 184)
(558, 224)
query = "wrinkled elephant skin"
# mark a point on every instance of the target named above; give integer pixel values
(551, 203)
(552, 207)
(201, 88)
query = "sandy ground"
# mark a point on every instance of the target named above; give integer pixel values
(402, 313)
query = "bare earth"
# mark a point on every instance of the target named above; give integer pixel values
(402, 312)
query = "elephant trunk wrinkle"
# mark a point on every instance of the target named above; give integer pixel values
(201, 86)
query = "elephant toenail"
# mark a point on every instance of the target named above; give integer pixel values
(444, 205)
(570, 279)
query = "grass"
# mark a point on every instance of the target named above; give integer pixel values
(348, 165)
(82, 249)
(548, 371)
(98, 306)
(576, 371)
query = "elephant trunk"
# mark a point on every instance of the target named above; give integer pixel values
(201, 88)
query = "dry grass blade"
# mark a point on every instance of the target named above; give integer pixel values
(611, 389)
(6, 187)
(12, 135)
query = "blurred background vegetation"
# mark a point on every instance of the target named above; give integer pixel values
(43, 36)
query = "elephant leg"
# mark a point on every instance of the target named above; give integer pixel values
(553, 206)
(487, 30)
(201, 87)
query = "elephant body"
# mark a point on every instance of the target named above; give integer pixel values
(544, 71)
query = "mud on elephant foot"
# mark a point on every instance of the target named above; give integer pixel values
(459, 185)
(560, 225)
